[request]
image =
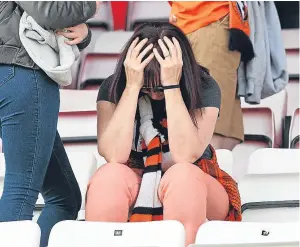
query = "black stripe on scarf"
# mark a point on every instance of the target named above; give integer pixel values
(153, 151)
(146, 210)
(154, 168)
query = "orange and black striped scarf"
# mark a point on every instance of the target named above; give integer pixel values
(148, 206)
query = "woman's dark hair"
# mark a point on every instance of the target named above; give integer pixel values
(192, 73)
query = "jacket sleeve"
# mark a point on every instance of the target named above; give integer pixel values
(86, 41)
(59, 14)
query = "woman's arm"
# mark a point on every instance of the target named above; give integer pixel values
(59, 14)
(115, 126)
(116, 123)
(187, 142)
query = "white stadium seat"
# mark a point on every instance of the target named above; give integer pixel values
(77, 119)
(294, 130)
(77, 100)
(293, 98)
(19, 234)
(277, 103)
(292, 57)
(96, 234)
(225, 160)
(241, 154)
(147, 11)
(274, 161)
(103, 17)
(112, 42)
(242, 234)
(77, 126)
(270, 197)
(263, 124)
(290, 38)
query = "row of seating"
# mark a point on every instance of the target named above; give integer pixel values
(155, 234)
(269, 189)
(99, 59)
(264, 124)
(138, 12)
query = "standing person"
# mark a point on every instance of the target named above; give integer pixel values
(156, 117)
(218, 33)
(35, 158)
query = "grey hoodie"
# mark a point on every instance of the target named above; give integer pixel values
(266, 73)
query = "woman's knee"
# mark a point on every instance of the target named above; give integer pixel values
(113, 174)
(184, 172)
(181, 178)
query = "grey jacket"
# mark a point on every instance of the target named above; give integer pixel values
(48, 14)
(266, 74)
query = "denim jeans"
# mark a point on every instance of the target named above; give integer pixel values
(36, 161)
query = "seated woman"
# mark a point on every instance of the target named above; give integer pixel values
(156, 117)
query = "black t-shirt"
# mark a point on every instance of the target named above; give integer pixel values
(211, 97)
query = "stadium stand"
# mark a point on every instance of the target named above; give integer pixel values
(139, 12)
(19, 233)
(242, 234)
(101, 62)
(266, 165)
(95, 234)
(103, 18)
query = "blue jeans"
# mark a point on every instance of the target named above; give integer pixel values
(36, 160)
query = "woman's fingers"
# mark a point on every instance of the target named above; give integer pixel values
(171, 47)
(178, 48)
(69, 35)
(147, 60)
(163, 48)
(158, 57)
(131, 47)
(144, 52)
(74, 41)
(136, 50)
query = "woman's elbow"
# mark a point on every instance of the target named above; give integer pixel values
(110, 156)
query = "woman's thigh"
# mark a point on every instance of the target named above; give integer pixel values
(217, 199)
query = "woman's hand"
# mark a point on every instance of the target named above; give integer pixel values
(134, 67)
(76, 34)
(171, 64)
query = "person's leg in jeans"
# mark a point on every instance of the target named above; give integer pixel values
(60, 191)
(29, 105)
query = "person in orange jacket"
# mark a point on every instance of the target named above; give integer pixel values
(218, 33)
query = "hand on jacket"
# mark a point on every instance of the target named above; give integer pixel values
(76, 34)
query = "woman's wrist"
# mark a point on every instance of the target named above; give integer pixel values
(171, 93)
(132, 89)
